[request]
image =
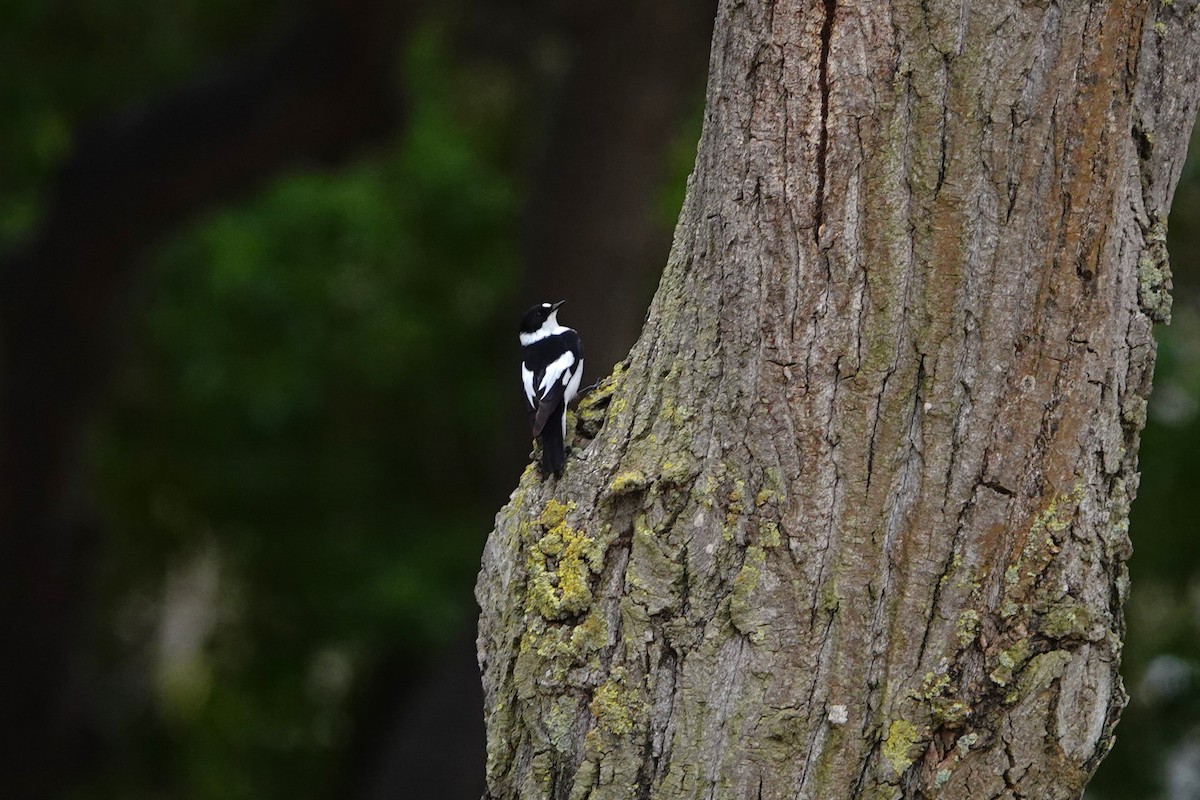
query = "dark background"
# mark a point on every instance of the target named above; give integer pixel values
(260, 270)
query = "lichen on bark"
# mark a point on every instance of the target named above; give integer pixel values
(851, 519)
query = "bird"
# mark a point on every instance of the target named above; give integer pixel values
(551, 369)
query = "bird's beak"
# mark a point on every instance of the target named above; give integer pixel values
(556, 305)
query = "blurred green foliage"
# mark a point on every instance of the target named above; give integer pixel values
(290, 459)
(63, 64)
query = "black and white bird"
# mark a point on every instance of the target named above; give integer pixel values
(551, 368)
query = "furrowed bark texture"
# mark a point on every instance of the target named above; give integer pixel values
(852, 520)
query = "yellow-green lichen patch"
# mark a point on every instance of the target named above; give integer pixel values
(1009, 661)
(590, 635)
(1042, 670)
(933, 685)
(733, 510)
(1154, 269)
(677, 470)
(573, 577)
(613, 705)
(1012, 575)
(948, 711)
(555, 513)
(1058, 515)
(585, 780)
(769, 534)
(968, 627)
(937, 692)
(552, 543)
(708, 490)
(595, 406)
(1068, 618)
(539, 779)
(1041, 542)
(1041, 545)
(772, 491)
(1133, 412)
(541, 595)
(547, 652)
(736, 496)
(631, 481)
(902, 737)
(743, 612)
(560, 565)
(830, 599)
(560, 722)
(951, 571)
(539, 659)
(675, 415)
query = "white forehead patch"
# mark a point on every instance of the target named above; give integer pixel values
(545, 305)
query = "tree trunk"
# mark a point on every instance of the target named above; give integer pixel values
(852, 520)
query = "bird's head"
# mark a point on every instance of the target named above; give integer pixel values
(542, 316)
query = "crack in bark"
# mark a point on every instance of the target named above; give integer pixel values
(943, 133)
(823, 139)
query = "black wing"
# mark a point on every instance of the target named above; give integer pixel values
(544, 388)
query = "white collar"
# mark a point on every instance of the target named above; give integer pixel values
(549, 328)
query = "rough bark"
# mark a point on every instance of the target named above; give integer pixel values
(852, 521)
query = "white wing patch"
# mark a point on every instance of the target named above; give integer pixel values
(527, 382)
(573, 386)
(571, 380)
(556, 371)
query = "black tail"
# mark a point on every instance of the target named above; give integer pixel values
(554, 454)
